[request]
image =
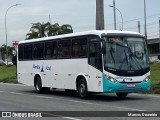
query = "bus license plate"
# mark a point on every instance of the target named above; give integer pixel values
(130, 85)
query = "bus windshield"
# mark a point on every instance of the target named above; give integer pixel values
(126, 53)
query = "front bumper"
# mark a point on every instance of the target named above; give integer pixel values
(118, 87)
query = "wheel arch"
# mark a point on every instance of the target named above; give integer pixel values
(37, 75)
(79, 77)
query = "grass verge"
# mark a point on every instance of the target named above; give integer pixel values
(155, 78)
(8, 74)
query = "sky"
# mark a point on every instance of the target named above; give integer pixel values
(80, 14)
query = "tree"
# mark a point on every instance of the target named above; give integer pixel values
(32, 35)
(10, 50)
(3, 51)
(39, 30)
(53, 30)
(65, 29)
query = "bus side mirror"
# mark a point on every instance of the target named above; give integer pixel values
(103, 46)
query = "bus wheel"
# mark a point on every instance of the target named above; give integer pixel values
(122, 95)
(82, 89)
(38, 86)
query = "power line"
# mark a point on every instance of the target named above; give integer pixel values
(136, 19)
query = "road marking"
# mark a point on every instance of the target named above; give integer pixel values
(2, 91)
(56, 115)
(76, 101)
(16, 93)
(72, 118)
(130, 109)
(146, 95)
(16, 84)
(42, 96)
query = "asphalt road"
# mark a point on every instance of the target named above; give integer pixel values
(15, 97)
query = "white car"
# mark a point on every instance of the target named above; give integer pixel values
(2, 63)
(9, 62)
(154, 59)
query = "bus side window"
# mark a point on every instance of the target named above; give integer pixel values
(50, 49)
(79, 47)
(84, 47)
(28, 50)
(64, 49)
(38, 51)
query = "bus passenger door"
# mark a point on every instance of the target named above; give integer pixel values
(95, 66)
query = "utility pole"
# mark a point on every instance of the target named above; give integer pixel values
(145, 26)
(139, 26)
(99, 15)
(159, 28)
(114, 11)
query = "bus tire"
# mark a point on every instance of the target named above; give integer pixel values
(82, 88)
(38, 86)
(122, 95)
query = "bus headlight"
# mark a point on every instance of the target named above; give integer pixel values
(112, 79)
(147, 78)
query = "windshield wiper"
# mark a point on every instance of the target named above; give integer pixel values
(124, 60)
(133, 59)
(112, 55)
(138, 63)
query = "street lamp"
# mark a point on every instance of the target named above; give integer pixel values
(6, 27)
(115, 17)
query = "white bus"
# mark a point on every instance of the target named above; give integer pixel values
(92, 61)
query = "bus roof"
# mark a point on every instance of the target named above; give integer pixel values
(92, 32)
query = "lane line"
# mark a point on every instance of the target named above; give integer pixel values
(76, 101)
(16, 93)
(146, 95)
(130, 109)
(2, 91)
(72, 118)
(16, 84)
(56, 115)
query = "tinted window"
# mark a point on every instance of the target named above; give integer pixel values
(28, 51)
(64, 48)
(50, 50)
(38, 51)
(79, 47)
(20, 52)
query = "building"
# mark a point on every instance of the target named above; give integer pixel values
(154, 46)
(154, 49)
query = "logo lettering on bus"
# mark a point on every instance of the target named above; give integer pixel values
(36, 66)
(48, 68)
